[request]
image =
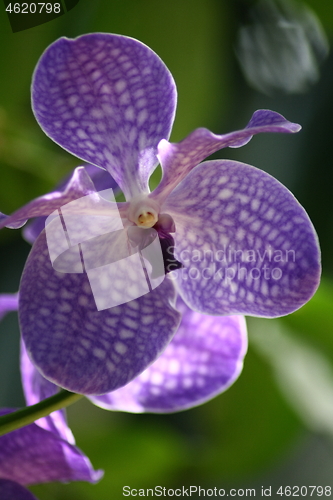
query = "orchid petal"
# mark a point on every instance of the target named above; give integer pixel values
(203, 359)
(11, 225)
(36, 388)
(10, 490)
(101, 179)
(247, 245)
(8, 302)
(109, 100)
(83, 349)
(33, 455)
(33, 229)
(179, 159)
(79, 185)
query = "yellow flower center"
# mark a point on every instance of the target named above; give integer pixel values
(143, 211)
(146, 219)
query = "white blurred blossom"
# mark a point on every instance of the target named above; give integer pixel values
(282, 46)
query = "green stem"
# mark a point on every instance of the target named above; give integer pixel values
(28, 415)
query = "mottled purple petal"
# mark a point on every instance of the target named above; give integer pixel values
(36, 388)
(203, 359)
(179, 159)
(101, 179)
(79, 185)
(33, 229)
(9, 490)
(247, 245)
(33, 455)
(80, 348)
(109, 100)
(11, 225)
(8, 302)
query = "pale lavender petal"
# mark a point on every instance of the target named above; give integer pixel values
(8, 302)
(203, 359)
(179, 159)
(36, 388)
(247, 245)
(79, 185)
(9, 490)
(33, 455)
(101, 179)
(83, 349)
(109, 100)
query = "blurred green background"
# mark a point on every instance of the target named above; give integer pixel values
(228, 57)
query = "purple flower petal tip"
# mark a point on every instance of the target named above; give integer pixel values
(32, 455)
(80, 184)
(179, 159)
(265, 117)
(5, 222)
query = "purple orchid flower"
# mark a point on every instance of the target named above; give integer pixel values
(202, 360)
(242, 243)
(41, 452)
